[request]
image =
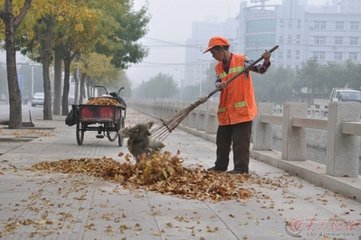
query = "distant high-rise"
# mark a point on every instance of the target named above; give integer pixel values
(329, 33)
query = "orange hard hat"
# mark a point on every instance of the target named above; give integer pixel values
(216, 41)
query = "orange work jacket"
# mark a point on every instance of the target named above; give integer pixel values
(237, 102)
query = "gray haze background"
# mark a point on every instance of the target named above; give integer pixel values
(169, 28)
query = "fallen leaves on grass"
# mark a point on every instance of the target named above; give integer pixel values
(161, 172)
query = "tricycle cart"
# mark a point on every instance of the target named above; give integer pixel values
(107, 120)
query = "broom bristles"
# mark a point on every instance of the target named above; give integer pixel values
(170, 123)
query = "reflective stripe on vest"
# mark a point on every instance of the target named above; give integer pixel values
(222, 109)
(236, 105)
(231, 70)
(240, 104)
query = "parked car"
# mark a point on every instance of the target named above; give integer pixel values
(38, 99)
(345, 95)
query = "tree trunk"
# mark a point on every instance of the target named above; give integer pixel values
(76, 90)
(82, 89)
(11, 22)
(66, 87)
(57, 80)
(46, 61)
(90, 91)
(15, 116)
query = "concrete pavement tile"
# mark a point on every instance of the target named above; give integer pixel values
(187, 219)
(6, 146)
(69, 191)
(294, 208)
(121, 213)
(11, 183)
(46, 214)
(12, 205)
(21, 162)
(29, 233)
(295, 195)
(130, 230)
(15, 196)
(248, 220)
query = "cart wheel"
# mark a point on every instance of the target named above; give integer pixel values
(120, 140)
(112, 135)
(79, 134)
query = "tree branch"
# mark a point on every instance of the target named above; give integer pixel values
(18, 19)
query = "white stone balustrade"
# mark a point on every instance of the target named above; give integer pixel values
(343, 128)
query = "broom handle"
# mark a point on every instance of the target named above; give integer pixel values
(241, 72)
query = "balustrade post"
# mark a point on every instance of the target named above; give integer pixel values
(192, 123)
(201, 118)
(185, 122)
(211, 119)
(293, 138)
(262, 132)
(342, 149)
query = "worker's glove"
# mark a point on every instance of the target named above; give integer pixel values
(221, 85)
(218, 85)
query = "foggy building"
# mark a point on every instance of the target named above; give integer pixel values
(198, 63)
(329, 33)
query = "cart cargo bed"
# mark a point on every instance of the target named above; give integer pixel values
(99, 113)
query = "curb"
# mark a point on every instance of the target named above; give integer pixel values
(312, 172)
(309, 171)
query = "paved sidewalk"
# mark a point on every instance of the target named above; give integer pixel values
(37, 205)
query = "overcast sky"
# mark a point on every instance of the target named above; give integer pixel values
(171, 22)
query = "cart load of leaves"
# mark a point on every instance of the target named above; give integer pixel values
(161, 172)
(103, 101)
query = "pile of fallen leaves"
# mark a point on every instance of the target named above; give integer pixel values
(161, 172)
(103, 101)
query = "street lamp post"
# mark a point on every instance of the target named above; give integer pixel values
(200, 87)
(32, 80)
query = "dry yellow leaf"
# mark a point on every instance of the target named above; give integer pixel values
(103, 101)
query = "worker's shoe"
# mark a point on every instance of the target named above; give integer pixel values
(216, 169)
(237, 172)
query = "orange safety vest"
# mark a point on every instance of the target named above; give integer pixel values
(237, 102)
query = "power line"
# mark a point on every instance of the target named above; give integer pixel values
(173, 44)
(179, 63)
(164, 41)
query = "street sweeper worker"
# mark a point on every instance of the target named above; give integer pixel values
(237, 104)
